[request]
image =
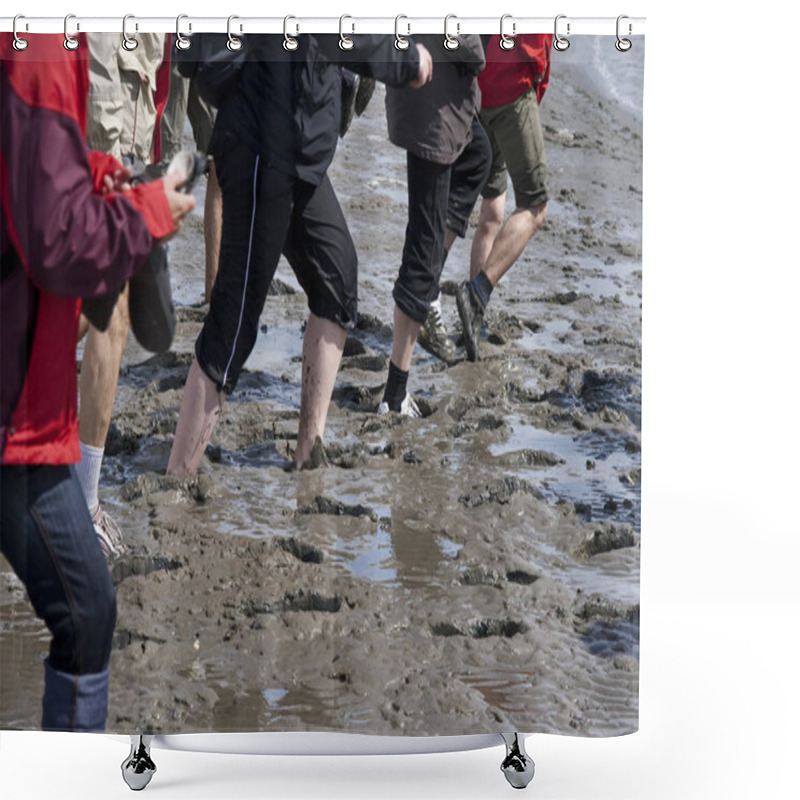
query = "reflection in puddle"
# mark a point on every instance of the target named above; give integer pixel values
(398, 551)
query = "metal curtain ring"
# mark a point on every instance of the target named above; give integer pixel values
(450, 42)
(19, 43)
(623, 45)
(289, 43)
(506, 42)
(181, 42)
(70, 42)
(345, 42)
(233, 43)
(561, 43)
(128, 42)
(400, 42)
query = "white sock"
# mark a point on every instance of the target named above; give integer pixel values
(88, 470)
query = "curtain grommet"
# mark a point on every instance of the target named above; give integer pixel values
(623, 45)
(289, 43)
(507, 42)
(561, 43)
(19, 44)
(450, 42)
(129, 43)
(400, 42)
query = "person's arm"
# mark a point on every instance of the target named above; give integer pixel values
(375, 56)
(72, 241)
(469, 53)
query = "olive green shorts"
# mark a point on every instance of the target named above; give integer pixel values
(515, 133)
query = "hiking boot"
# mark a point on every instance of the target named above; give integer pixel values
(408, 408)
(471, 312)
(433, 335)
(108, 534)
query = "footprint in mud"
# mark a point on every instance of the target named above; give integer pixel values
(488, 422)
(325, 505)
(300, 550)
(607, 630)
(126, 434)
(480, 628)
(136, 564)
(607, 539)
(530, 458)
(500, 492)
(357, 398)
(125, 638)
(198, 488)
(522, 577)
(301, 600)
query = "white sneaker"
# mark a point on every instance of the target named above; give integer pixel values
(108, 534)
(408, 408)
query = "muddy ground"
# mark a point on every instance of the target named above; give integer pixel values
(473, 571)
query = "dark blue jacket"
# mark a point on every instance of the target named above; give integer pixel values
(287, 105)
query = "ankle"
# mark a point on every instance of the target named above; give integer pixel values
(396, 387)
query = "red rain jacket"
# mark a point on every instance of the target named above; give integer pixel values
(511, 73)
(60, 240)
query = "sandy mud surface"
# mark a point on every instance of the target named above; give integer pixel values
(473, 571)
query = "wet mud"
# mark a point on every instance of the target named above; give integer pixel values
(472, 571)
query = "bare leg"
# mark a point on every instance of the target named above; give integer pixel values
(83, 327)
(212, 227)
(200, 409)
(102, 358)
(490, 218)
(510, 242)
(323, 346)
(404, 339)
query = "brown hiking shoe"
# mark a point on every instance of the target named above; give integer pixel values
(433, 335)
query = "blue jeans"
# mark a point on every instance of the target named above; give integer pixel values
(46, 534)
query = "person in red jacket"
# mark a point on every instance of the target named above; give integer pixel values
(69, 228)
(512, 86)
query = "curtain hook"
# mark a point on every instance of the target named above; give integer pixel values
(450, 42)
(506, 42)
(130, 43)
(70, 42)
(181, 42)
(234, 43)
(400, 42)
(561, 43)
(621, 44)
(289, 43)
(19, 43)
(345, 42)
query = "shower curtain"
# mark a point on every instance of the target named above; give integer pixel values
(470, 569)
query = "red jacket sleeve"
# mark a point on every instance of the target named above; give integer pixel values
(72, 241)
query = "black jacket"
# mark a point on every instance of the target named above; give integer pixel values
(287, 105)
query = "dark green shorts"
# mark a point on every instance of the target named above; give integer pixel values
(515, 133)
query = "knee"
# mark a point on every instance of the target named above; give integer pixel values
(96, 625)
(120, 322)
(82, 639)
(491, 213)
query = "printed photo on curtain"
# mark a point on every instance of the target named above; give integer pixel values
(321, 383)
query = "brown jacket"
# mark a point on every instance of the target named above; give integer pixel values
(434, 122)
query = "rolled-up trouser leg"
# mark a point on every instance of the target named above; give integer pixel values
(417, 283)
(257, 201)
(74, 702)
(46, 533)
